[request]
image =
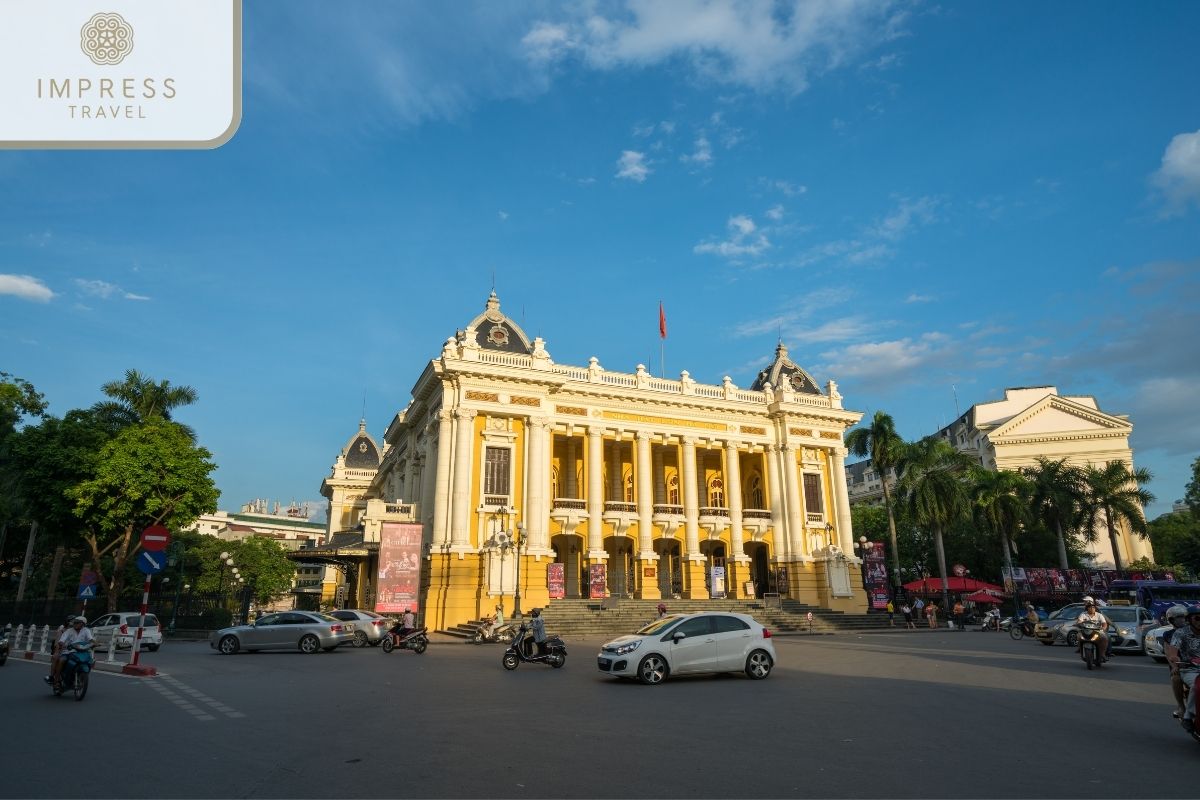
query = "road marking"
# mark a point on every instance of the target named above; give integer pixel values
(174, 690)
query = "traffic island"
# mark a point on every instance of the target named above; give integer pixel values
(141, 670)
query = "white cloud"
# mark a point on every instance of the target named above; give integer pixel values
(633, 166)
(105, 290)
(775, 213)
(745, 240)
(761, 45)
(898, 360)
(1179, 176)
(26, 287)
(788, 188)
(907, 213)
(913, 297)
(502, 214)
(701, 154)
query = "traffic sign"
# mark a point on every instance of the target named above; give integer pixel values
(87, 591)
(88, 577)
(155, 538)
(151, 563)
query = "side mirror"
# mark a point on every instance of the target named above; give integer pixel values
(677, 635)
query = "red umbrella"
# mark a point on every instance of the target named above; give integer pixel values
(983, 597)
(954, 584)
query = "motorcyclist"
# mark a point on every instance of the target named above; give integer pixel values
(1175, 617)
(78, 632)
(1029, 619)
(1184, 654)
(991, 620)
(1091, 616)
(538, 626)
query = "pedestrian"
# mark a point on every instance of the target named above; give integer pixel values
(891, 609)
(931, 610)
(662, 610)
(907, 611)
(959, 614)
(918, 608)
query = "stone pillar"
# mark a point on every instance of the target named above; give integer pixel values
(775, 498)
(845, 528)
(795, 509)
(660, 477)
(733, 493)
(693, 567)
(647, 589)
(464, 439)
(616, 490)
(537, 514)
(441, 494)
(569, 466)
(595, 494)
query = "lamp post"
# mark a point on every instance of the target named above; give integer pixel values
(520, 541)
(225, 561)
(864, 548)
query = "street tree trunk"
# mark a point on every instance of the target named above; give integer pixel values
(1062, 543)
(33, 526)
(887, 503)
(1112, 539)
(941, 554)
(55, 569)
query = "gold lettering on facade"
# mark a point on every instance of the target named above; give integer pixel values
(800, 431)
(574, 410)
(517, 400)
(490, 396)
(831, 435)
(752, 429)
(684, 423)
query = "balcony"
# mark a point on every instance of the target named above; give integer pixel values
(714, 511)
(613, 506)
(568, 504)
(667, 509)
(817, 519)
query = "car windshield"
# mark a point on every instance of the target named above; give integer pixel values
(150, 620)
(660, 625)
(1120, 614)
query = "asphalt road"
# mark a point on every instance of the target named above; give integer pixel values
(919, 714)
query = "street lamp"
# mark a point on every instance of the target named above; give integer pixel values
(225, 561)
(519, 541)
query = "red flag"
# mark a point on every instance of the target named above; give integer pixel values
(662, 321)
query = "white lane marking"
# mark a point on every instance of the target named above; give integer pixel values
(217, 705)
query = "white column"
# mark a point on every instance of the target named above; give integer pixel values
(616, 491)
(660, 477)
(464, 438)
(691, 506)
(410, 471)
(537, 513)
(845, 529)
(568, 480)
(441, 498)
(795, 510)
(777, 503)
(595, 493)
(733, 494)
(645, 497)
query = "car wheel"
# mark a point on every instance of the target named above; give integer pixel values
(653, 669)
(228, 645)
(360, 638)
(510, 661)
(309, 644)
(758, 665)
(1073, 639)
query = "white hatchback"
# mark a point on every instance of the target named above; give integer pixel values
(683, 644)
(123, 626)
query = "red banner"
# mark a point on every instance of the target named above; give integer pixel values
(875, 576)
(598, 580)
(556, 580)
(399, 580)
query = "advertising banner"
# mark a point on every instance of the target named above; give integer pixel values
(399, 579)
(875, 575)
(556, 580)
(718, 582)
(597, 580)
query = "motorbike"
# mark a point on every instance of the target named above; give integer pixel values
(521, 651)
(499, 633)
(416, 640)
(1089, 643)
(991, 621)
(1020, 627)
(75, 671)
(1186, 672)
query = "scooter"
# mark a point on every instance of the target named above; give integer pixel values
(416, 640)
(991, 621)
(499, 633)
(1089, 644)
(555, 655)
(75, 670)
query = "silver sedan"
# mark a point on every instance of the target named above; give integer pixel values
(308, 631)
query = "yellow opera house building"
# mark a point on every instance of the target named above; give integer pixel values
(535, 480)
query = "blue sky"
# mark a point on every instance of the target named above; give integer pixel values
(917, 197)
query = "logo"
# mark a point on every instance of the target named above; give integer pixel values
(106, 38)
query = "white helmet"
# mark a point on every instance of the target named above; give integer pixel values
(1089, 599)
(1176, 612)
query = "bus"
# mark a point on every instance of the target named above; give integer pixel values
(1154, 596)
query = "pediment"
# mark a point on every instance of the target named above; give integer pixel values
(1053, 416)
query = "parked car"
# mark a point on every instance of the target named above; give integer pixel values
(367, 627)
(123, 626)
(1048, 630)
(681, 644)
(309, 631)
(1132, 623)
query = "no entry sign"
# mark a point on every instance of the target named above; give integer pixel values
(155, 538)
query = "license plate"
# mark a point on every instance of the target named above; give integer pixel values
(349, 626)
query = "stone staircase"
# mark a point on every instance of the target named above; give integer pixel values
(586, 618)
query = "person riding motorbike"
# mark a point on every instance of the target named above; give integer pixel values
(538, 627)
(78, 632)
(1175, 617)
(1184, 654)
(1091, 616)
(408, 621)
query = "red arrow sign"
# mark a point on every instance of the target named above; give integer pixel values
(155, 538)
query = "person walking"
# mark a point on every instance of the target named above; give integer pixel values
(960, 615)
(907, 611)
(931, 610)
(891, 609)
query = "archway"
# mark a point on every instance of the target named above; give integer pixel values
(760, 567)
(670, 567)
(622, 577)
(714, 556)
(568, 551)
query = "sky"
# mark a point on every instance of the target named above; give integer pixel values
(926, 202)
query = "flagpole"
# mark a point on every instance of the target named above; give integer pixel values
(662, 358)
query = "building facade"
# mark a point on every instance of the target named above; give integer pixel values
(637, 486)
(1036, 421)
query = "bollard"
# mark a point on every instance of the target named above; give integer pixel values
(112, 647)
(17, 638)
(45, 638)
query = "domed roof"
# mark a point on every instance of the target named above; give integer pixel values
(785, 371)
(361, 452)
(495, 330)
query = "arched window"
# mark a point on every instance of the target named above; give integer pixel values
(716, 493)
(754, 491)
(629, 486)
(673, 490)
(554, 489)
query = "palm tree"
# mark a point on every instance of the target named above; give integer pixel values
(137, 399)
(1116, 491)
(1001, 504)
(1058, 498)
(881, 443)
(932, 490)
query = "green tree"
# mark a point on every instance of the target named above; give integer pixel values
(933, 491)
(265, 565)
(148, 474)
(883, 445)
(1192, 496)
(1115, 493)
(999, 498)
(1058, 498)
(1176, 539)
(138, 399)
(18, 399)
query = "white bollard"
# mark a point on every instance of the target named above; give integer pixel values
(45, 638)
(112, 647)
(17, 638)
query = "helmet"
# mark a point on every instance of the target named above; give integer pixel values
(1088, 599)
(408, 611)
(80, 619)
(1193, 611)
(537, 612)
(1176, 612)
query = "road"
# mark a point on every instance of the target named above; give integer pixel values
(904, 714)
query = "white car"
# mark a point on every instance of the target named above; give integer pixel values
(122, 626)
(683, 644)
(1154, 644)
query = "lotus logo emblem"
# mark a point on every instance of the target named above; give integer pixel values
(106, 38)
